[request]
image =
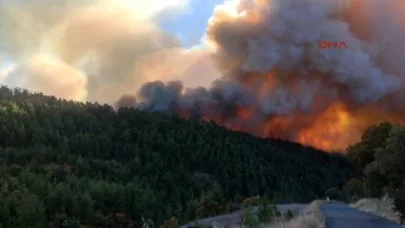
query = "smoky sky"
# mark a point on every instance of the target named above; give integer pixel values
(258, 68)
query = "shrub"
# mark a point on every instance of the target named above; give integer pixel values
(289, 215)
(249, 219)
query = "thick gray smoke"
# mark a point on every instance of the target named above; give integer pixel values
(276, 78)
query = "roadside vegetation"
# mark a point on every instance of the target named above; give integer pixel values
(383, 207)
(381, 156)
(309, 217)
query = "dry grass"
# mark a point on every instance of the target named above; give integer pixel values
(309, 217)
(383, 207)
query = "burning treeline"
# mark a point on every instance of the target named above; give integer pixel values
(278, 83)
(275, 81)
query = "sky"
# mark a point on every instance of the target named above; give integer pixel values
(190, 25)
(65, 43)
(187, 24)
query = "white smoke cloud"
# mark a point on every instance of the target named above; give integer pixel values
(39, 72)
(112, 46)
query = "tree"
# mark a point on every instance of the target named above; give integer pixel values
(5, 215)
(31, 211)
(83, 207)
(375, 180)
(373, 138)
(390, 161)
(360, 155)
(381, 154)
(71, 223)
(353, 189)
(191, 210)
(132, 162)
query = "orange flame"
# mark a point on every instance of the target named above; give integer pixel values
(333, 128)
(330, 129)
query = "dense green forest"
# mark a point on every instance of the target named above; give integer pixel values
(71, 164)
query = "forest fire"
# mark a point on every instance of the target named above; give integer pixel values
(332, 130)
(329, 130)
(277, 82)
(270, 77)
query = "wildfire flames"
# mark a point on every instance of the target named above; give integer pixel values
(269, 77)
(332, 130)
(277, 82)
(329, 130)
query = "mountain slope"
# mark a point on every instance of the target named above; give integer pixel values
(67, 163)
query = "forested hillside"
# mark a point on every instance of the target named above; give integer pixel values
(65, 163)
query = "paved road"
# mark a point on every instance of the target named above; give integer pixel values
(339, 215)
(235, 219)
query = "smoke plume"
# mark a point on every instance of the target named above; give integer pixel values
(94, 50)
(275, 81)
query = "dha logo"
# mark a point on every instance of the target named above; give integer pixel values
(324, 44)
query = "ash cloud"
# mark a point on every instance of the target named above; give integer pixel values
(277, 81)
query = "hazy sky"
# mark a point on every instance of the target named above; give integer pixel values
(104, 42)
(190, 25)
